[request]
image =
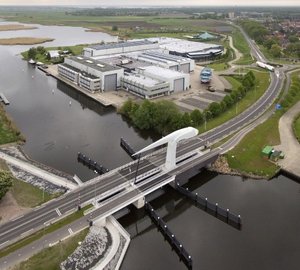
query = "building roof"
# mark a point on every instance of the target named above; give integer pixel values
(163, 72)
(184, 46)
(54, 54)
(95, 64)
(143, 80)
(206, 36)
(80, 71)
(267, 150)
(120, 45)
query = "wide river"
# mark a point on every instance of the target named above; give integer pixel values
(57, 123)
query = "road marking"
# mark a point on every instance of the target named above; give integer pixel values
(4, 243)
(70, 231)
(26, 232)
(58, 212)
(17, 218)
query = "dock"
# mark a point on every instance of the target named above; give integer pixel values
(4, 99)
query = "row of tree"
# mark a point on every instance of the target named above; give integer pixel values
(164, 116)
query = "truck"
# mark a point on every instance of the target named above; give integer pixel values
(265, 66)
(205, 75)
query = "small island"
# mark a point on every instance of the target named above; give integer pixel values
(24, 41)
(15, 27)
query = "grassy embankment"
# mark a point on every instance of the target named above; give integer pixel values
(28, 195)
(296, 128)
(39, 234)
(241, 45)
(76, 50)
(262, 82)
(246, 157)
(52, 257)
(23, 41)
(15, 27)
(8, 131)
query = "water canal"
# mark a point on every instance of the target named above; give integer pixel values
(56, 131)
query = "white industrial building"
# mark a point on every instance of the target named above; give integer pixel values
(119, 48)
(144, 86)
(165, 60)
(190, 49)
(91, 74)
(178, 81)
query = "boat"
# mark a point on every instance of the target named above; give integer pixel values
(39, 63)
(31, 61)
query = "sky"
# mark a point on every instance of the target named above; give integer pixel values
(123, 3)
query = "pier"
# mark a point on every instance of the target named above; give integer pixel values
(128, 149)
(4, 99)
(93, 165)
(212, 208)
(169, 236)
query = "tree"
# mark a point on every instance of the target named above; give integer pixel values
(215, 109)
(114, 28)
(228, 101)
(275, 50)
(197, 118)
(185, 120)
(32, 53)
(41, 50)
(5, 182)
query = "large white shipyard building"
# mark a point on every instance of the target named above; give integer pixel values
(190, 49)
(178, 81)
(119, 48)
(144, 86)
(91, 74)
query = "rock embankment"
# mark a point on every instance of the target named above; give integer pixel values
(92, 249)
(221, 166)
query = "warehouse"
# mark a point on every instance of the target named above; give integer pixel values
(178, 81)
(190, 49)
(143, 86)
(164, 60)
(82, 79)
(89, 71)
(119, 48)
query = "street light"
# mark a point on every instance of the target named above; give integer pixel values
(236, 105)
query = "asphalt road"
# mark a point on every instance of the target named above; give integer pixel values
(15, 229)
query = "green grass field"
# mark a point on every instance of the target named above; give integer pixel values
(243, 104)
(241, 45)
(296, 127)
(28, 195)
(50, 258)
(246, 157)
(218, 66)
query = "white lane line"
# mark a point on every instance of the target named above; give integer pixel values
(58, 212)
(4, 243)
(26, 232)
(17, 218)
(70, 231)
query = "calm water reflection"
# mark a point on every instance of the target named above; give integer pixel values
(269, 238)
(40, 106)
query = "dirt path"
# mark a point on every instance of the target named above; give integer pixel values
(10, 209)
(289, 144)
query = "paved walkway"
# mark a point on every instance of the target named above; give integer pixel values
(289, 144)
(52, 178)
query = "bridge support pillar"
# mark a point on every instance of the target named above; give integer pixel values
(139, 203)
